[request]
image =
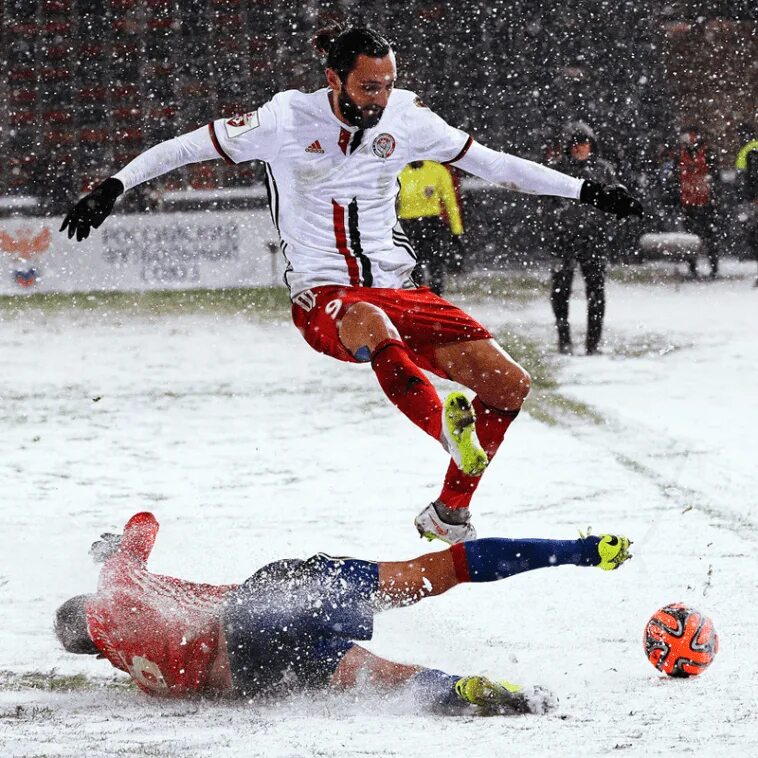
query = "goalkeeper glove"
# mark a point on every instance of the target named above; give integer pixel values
(92, 209)
(611, 198)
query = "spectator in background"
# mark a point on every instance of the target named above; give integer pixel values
(747, 177)
(580, 239)
(692, 191)
(552, 152)
(426, 193)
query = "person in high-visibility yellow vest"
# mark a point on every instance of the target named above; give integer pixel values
(747, 177)
(426, 190)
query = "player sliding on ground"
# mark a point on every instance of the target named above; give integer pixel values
(292, 625)
(332, 162)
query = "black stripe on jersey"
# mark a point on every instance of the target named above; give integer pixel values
(288, 266)
(273, 197)
(408, 249)
(401, 235)
(355, 243)
(273, 206)
(355, 142)
(464, 150)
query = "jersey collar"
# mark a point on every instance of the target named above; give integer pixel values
(347, 127)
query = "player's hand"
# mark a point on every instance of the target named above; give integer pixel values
(610, 198)
(92, 209)
(105, 547)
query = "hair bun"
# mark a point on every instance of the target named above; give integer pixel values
(325, 37)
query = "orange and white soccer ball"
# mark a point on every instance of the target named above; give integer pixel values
(680, 641)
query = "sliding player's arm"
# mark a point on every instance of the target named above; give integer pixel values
(134, 545)
(437, 140)
(242, 138)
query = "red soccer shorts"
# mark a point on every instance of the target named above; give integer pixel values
(425, 321)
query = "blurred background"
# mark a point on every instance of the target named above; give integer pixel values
(86, 85)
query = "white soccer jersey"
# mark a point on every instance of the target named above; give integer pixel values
(333, 187)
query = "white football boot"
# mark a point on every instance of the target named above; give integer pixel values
(431, 526)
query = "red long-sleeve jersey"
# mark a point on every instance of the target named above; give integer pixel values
(163, 631)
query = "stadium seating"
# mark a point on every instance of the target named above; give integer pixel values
(148, 69)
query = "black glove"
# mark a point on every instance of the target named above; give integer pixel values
(105, 547)
(92, 209)
(610, 198)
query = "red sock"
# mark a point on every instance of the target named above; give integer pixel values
(406, 386)
(491, 426)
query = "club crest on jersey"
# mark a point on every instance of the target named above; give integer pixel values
(241, 124)
(383, 145)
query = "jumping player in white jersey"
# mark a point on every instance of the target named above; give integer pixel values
(332, 162)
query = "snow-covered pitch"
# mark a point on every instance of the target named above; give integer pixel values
(249, 447)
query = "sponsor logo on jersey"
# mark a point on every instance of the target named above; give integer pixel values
(314, 147)
(383, 145)
(241, 124)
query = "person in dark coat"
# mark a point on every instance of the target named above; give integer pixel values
(580, 240)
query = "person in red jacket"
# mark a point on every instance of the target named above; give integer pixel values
(696, 173)
(293, 624)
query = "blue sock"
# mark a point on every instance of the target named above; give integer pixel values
(434, 690)
(488, 560)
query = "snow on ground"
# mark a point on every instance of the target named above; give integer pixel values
(250, 447)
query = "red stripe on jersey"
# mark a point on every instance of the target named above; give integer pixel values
(217, 145)
(460, 562)
(344, 140)
(338, 213)
(469, 142)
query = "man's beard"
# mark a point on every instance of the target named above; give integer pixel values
(363, 118)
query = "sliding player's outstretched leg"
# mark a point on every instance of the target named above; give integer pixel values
(406, 582)
(435, 691)
(491, 559)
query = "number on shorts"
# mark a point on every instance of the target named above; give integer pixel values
(333, 308)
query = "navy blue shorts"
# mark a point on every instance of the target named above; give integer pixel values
(289, 625)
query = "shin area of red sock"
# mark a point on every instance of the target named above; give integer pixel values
(491, 426)
(407, 387)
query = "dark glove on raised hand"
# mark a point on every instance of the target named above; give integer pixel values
(610, 198)
(92, 209)
(105, 547)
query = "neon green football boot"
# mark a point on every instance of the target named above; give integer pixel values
(460, 440)
(502, 698)
(612, 549)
